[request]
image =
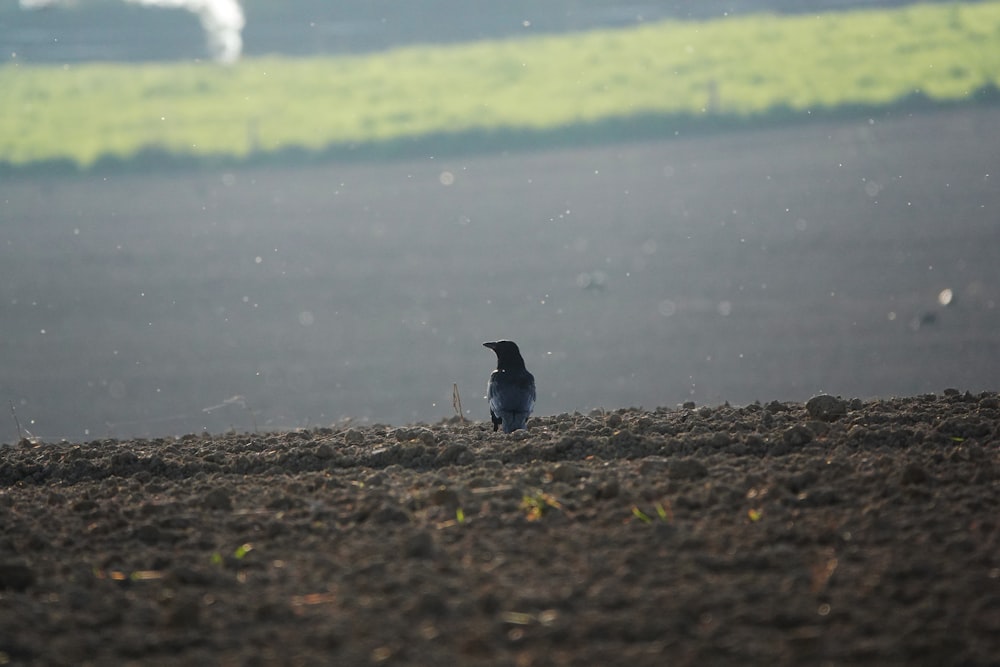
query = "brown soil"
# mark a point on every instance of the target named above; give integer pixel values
(842, 532)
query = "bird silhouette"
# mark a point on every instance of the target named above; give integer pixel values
(511, 389)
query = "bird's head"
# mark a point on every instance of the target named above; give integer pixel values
(508, 356)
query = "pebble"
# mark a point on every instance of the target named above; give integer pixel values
(826, 408)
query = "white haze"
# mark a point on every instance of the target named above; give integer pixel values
(222, 20)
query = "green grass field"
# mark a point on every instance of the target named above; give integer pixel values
(733, 68)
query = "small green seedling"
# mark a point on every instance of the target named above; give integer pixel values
(640, 515)
(536, 505)
(664, 512)
(239, 553)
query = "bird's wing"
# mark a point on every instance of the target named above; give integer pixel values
(509, 393)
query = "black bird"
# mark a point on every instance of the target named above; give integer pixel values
(511, 390)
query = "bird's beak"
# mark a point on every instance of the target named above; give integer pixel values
(492, 346)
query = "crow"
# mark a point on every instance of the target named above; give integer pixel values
(511, 389)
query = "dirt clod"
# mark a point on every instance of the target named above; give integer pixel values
(826, 408)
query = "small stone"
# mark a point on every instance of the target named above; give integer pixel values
(354, 437)
(826, 408)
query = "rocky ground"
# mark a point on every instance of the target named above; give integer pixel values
(836, 532)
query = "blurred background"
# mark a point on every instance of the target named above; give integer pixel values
(264, 216)
(128, 30)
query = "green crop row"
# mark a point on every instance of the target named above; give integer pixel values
(730, 68)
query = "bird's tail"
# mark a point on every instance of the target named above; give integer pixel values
(512, 421)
